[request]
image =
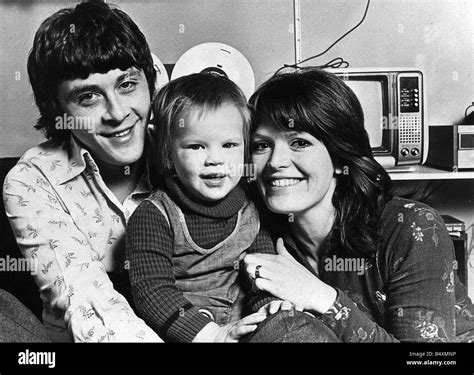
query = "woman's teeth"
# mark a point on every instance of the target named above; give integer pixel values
(121, 134)
(284, 182)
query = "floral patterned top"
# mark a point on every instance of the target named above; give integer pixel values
(66, 219)
(408, 295)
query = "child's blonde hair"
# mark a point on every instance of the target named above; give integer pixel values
(180, 98)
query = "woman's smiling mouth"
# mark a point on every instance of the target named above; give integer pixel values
(284, 182)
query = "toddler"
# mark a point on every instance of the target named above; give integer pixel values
(186, 241)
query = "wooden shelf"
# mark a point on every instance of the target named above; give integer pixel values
(422, 172)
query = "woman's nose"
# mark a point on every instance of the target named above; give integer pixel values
(280, 157)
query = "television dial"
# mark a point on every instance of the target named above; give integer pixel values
(404, 152)
(415, 151)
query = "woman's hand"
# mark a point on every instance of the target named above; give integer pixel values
(285, 278)
(274, 306)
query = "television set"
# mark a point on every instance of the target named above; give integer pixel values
(393, 103)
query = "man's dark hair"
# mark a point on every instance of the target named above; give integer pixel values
(76, 42)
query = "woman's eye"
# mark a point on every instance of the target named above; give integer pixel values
(300, 143)
(260, 146)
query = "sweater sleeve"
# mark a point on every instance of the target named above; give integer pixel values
(158, 301)
(420, 288)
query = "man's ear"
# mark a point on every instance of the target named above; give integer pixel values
(150, 142)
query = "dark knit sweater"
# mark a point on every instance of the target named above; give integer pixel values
(150, 253)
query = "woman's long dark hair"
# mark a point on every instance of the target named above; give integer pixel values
(318, 102)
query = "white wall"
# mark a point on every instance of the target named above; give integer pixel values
(434, 35)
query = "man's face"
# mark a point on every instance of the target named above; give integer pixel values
(109, 113)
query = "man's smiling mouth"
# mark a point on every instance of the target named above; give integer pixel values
(119, 134)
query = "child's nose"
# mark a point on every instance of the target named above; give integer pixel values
(214, 157)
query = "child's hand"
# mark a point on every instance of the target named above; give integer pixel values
(275, 306)
(233, 332)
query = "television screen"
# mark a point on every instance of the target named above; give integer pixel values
(370, 96)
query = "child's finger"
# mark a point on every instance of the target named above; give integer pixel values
(274, 307)
(239, 331)
(298, 308)
(254, 318)
(286, 305)
(263, 309)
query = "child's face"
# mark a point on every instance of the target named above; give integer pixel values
(208, 152)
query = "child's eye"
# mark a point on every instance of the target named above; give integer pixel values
(300, 143)
(231, 145)
(195, 147)
(260, 146)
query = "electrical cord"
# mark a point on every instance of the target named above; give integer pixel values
(331, 64)
(337, 62)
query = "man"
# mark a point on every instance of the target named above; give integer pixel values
(69, 199)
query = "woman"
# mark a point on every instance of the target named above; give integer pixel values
(369, 266)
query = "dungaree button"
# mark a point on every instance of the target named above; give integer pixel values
(207, 313)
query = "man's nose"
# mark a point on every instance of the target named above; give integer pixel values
(116, 110)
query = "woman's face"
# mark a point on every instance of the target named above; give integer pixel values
(294, 170)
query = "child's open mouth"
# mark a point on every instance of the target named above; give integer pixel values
(213, 178)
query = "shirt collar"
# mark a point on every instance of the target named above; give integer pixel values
(80, 159)
(58, 163)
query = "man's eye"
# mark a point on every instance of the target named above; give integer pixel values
(88, 98)
(260, 146)
(128, 86)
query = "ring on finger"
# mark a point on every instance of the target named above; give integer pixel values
(257, 271)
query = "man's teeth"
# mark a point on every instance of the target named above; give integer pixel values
(121, 134)
(284, 182)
